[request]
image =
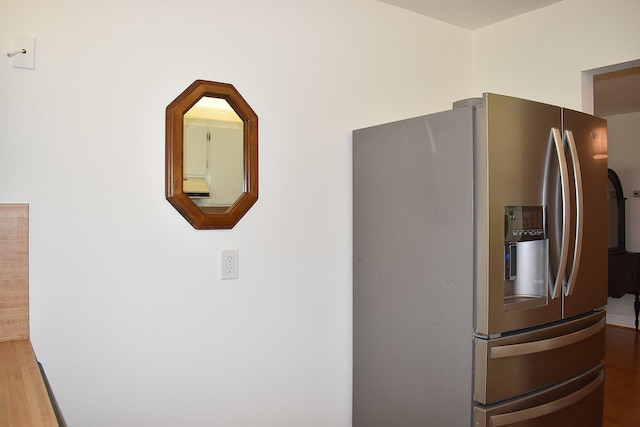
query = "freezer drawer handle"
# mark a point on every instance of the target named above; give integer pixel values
(512, 350)
(547, 408)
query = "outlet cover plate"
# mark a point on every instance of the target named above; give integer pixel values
(228, 264)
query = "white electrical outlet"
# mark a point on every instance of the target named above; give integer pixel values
(229, 264)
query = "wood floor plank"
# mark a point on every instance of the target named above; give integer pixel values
(622, 378)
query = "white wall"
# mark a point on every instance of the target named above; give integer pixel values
(127, 312)
(540, 55)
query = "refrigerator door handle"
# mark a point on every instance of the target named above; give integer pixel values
(556, 138)
(577, 175)
(547, 408)
(511, 350)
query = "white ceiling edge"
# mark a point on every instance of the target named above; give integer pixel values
(471, 14)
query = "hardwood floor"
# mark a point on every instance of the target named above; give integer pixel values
(622, 378)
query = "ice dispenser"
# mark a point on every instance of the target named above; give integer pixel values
(525, 256)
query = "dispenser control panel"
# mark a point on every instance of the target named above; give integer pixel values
(525, 223)
(522, 224)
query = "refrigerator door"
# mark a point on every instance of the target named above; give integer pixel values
(576, 402)
(520, 363)
(585, 286)
(514, 150)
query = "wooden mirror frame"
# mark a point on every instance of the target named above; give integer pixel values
(617, 185)
(207, 218)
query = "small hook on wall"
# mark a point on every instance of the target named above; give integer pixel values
(16, 52)
(22, 53)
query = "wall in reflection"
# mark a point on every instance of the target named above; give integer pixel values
(213, 153)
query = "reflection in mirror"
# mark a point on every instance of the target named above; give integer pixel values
(213, 153)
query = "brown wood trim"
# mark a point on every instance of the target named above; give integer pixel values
(14, 271)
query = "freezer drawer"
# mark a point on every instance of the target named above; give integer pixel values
(576, 402)
(517, 364)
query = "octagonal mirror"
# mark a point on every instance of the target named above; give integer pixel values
(211, 155)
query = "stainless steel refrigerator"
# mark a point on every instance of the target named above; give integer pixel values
(480, 267)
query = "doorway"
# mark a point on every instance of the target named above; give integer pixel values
(616, 97)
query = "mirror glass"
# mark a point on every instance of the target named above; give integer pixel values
(211, 155)
(213, 172)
